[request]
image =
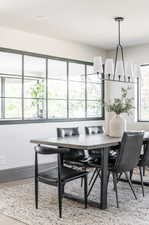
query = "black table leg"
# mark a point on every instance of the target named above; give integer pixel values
(104, 178)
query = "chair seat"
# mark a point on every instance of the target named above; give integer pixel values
(51, 176)
(113, 154)
(97, 160)
(74, 163)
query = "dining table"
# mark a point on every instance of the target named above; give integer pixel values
(100, 142)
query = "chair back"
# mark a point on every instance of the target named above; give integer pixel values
(94, 129)
(74, 154)
(91, 130)
(145, 159)
(66, 132)
(130, 150)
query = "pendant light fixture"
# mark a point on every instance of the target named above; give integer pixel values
(117, 70)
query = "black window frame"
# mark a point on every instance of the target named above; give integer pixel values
(46, 120)
(139, 99)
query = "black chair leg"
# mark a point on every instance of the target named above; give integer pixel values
(119, 177)
(92, 177)
(81, 181)
(93, 184)
(60, 199)
(85, 191)
(36, 193)
(108, 176)
(130, 184)
(141, 176)
(36, 180)
(143, 170)
(115, 187)
(62, 190)
(131, 174)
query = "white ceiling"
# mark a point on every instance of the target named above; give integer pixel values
(86, 21)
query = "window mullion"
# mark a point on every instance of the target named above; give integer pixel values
(85, 91)
(103, 94)
(22, 87)
(46, 88)
(3, 97)
(67, 89)
(138, 100)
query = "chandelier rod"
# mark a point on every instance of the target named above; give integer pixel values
(119, 47)
(119, 32)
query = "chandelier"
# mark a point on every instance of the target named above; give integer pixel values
(117, 70)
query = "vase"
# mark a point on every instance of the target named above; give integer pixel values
(117, 126)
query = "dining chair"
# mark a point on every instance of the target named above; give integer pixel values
(127, 159)
(144, 162)
(57, 176)
(91, 130)
(74, 157)
(144, 147)
(95, 155)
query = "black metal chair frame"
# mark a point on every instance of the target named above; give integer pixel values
(144, 162)
(127, 159)
(96, 172)
(60, 181)
(120, 166)
(81, 163)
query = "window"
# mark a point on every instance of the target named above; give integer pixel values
(57, 89)
(34, 87)
(11, 86)
(94, 94)
(143, 94)
(39, 88)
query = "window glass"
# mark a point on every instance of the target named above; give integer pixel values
(77, 109)
(94, 93)
(94, 109)
(13, 108)
(57, 69)
(34, 109)
(77, 90)
(34, 66)
(57, 89)
(76, 72)
(57, 109)
(10, 63)
(34, 88)
(13, 87)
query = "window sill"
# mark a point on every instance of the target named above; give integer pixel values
(11, 122)
(143, 121)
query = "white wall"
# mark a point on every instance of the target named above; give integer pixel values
(39, 44)
(139, 55)
(15, 140)
(15, 147)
